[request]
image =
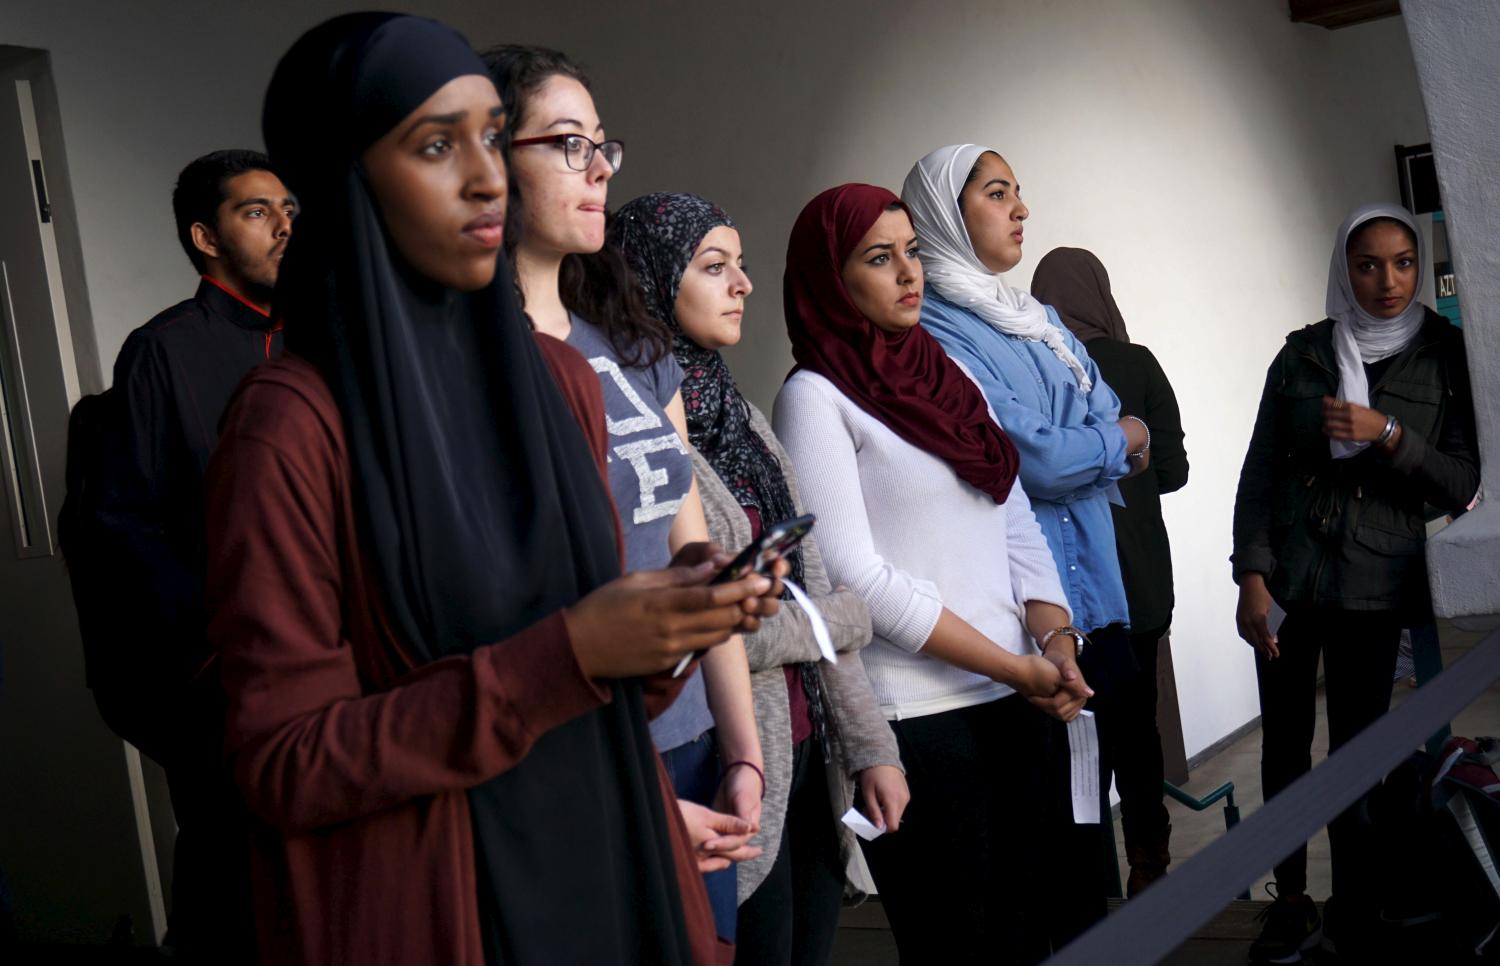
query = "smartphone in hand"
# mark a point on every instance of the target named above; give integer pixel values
(762, 553)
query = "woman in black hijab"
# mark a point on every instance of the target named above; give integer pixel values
(433, 669)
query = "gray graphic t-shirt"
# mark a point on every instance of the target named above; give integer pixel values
(649, 476)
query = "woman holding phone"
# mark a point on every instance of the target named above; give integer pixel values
(576, 290)
(827, 745)
(437, 682)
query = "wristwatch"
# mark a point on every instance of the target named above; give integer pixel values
(1079, 638)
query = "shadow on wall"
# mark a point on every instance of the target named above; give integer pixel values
(1205, 152)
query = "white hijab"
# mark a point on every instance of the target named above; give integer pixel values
(953, 269)
(1358, 336)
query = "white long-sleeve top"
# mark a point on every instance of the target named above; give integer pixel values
(898, 527)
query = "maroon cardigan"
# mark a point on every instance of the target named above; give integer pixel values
(355, 762)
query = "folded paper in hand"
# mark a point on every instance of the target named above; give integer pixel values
(862, 826)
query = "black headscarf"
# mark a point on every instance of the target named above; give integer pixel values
(658, 234)
(1073, 281)
(476, 493)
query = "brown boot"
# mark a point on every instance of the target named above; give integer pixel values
(1148, 862)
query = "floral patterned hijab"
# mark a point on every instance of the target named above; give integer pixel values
(658, 234)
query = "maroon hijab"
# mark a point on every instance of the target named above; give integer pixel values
(906, 381)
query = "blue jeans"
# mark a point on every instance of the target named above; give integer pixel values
(694, 771)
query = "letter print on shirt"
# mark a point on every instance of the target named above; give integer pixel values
(648, 509)
(645, 418)
(635, 452)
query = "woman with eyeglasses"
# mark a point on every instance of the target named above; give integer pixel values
(575, 289)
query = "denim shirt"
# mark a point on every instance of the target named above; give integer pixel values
(1072, 448)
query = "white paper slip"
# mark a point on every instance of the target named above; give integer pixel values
(819, 628)
(1083, 748)
(1274, 618)
(862, 826)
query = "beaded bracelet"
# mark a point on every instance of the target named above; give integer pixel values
(1147, 447)
(753, 767)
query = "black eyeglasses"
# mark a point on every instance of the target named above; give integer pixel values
(579, 150)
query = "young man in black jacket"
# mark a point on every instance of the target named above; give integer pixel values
(154, 677)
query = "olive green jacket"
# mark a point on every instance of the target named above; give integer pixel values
(1350, 533)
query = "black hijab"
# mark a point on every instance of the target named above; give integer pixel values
(658, 234)
(476, 494)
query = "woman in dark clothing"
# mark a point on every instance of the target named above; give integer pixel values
(435, 676)
(1366, 419)
(1073, 281)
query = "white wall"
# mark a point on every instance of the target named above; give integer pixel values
(1205, 151)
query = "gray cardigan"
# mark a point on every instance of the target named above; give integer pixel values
(864, 737)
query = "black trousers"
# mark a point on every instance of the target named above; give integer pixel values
(1109, 666)
(793, 916)
(212, 917)
(975, 863)
(1135, 748)
(1359, 662)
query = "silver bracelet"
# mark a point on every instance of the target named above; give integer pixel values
(1147, 447)
(1079, 638)
(1390, 430)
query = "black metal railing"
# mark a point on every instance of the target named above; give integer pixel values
(1163, 917)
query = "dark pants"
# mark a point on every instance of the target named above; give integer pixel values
(1359, 662)
(1135, 749)
(212, 909)
(213, 913)
(1109, 667)
(694, 771)
(793, 915)
(975, 863)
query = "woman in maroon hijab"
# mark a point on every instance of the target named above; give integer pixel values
(921, 513)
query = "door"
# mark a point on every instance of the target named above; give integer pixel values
(75, 836)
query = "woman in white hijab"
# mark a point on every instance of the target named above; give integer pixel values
(1366, 418)
(965, 203)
